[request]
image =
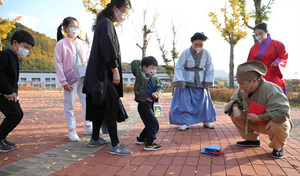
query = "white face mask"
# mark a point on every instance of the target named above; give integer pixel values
(74, 31)
(197, 50)
(259, 39)
(150, 72)
(120, 16)
(22, 52)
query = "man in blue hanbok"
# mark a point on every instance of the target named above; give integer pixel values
(194, 73)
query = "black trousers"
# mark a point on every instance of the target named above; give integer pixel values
(13, 116)
(146, 112)
(98, 113)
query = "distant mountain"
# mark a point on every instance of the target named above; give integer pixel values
(41, 56)
(221, 74)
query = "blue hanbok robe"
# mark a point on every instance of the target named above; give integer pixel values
(193, 104)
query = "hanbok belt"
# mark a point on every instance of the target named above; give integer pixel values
(197, 76)
(193, 69)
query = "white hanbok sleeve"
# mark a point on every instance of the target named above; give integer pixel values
(178, 78)
(209, 72)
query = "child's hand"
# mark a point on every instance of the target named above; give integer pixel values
(68, 87)
(154, 95)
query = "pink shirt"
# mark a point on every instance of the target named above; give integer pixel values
(64, 56)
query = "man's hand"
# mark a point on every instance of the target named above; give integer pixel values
(237, 114)
(253, 117)
(11, 97)
(68, 87)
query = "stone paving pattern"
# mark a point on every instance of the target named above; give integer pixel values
(42, 146)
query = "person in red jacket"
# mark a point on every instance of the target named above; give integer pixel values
(270, 52)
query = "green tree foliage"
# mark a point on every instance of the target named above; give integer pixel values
(232, 30)
(174, 42)
(126, 67)
(168, 68)
(41, 56)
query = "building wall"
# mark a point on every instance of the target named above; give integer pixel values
(47, 79)
(39, 79)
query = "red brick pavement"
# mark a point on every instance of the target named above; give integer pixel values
(43, 128)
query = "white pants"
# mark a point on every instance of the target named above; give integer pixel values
(69, 104)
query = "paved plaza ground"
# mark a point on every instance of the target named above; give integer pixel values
(43, 148)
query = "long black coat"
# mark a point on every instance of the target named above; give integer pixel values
(105, 55)
(9, 72)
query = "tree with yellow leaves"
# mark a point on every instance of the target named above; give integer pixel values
(94, 6)
(233, 30)
(6, 26)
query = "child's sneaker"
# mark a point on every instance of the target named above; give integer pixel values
(119, 150)
(153, 146)
(73, 136)
(139, 141)
(4, 147)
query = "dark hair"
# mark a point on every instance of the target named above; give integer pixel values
(22, 36)
(262, 26)
(199, 36)
(147, 61)
(65, 23)
(108, 11)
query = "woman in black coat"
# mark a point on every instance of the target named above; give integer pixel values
(103, 80)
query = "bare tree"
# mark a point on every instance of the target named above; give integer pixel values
(146, 31)
(86, 39)
(259, 15)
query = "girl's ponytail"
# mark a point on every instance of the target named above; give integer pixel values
(59, 35)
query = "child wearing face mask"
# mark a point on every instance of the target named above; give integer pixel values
(70, 58)
(21, 43)
(147, 88)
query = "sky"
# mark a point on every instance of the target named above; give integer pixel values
(188, 16)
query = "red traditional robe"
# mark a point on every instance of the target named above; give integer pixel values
(268, 52)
